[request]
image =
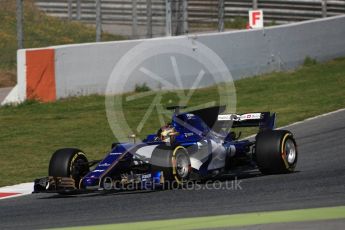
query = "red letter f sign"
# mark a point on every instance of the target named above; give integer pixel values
(256, 19)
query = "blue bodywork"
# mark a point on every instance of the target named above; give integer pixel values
(192, 129)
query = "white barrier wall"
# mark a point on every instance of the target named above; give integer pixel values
(85, 68)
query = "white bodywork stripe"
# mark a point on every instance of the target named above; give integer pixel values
(145, 152)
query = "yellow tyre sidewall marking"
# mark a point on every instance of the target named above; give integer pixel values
(282, 151)
(72, 161)
(173, 160)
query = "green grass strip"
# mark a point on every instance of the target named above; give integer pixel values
(33, 131)
(235, 220)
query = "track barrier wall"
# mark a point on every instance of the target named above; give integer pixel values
(57, 72)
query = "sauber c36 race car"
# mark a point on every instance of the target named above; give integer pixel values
(195, 146)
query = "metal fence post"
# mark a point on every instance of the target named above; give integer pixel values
(20, 20)
(324, 8)
(220, 15)
(179, 17)
(255, 4)
(174, 18)
(168, 17)
(98, 20)
(69, 10)
(78, 9)
(149, 18)
(185, 17)
(134, 19)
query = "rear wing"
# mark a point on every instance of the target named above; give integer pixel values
(263, 120)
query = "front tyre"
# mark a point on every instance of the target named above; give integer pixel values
(276, 152)
(69, 162)
(173, 162)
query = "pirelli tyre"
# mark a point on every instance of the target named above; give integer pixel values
(276, 152)
(174, 162)
(69, 162)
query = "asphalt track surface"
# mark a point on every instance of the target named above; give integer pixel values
(318, 182)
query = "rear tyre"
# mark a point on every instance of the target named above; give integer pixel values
(276, 152)
(173, 162)
(69, 162)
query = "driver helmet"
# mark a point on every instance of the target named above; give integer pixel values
(166, 133)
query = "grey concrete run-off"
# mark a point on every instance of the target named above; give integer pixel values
(4, 92)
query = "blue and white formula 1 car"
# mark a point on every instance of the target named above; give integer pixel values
(194, 146)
